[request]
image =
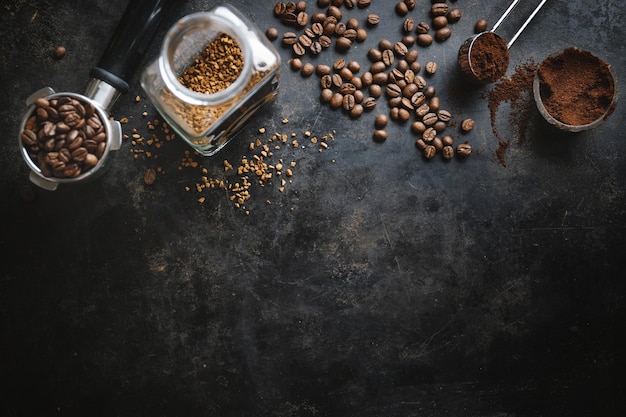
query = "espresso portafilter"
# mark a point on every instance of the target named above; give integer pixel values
(82, 120)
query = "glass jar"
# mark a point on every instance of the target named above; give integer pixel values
(208, 120)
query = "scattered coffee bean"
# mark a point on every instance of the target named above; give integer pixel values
(421, 145)
(296, 64)
(401, 8)
(430, 151)
(467, 125)
(439, 9)
(307, 69)
(326, 95)
(464, 149)
(272, 34)
(356, 111)
(424, 39)
(380, 135)
(343, 43)
(422, 28)
(431, 67)
(373, 19)
(362, 4)
(149, 177)
(408, 25)
(480, 26)
(440, 22)
(443, 34)
(381, 121)
(289, 38)
(454, 15)
(447, 152)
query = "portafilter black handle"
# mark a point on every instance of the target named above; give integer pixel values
(126, 48)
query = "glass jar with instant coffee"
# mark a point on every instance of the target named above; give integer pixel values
(216, 69)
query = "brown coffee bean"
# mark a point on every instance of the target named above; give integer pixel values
(307, 69)
(424, 39)
(454, 15)
(393, 90)
(356, 81)
(421, 145)
(374, 55)
(401, 8)
(295, 64)
(325, 41)
(444, 115)
(340, 29)
(400, 49)
(301, 6)
(418, 127)
(429, 152)
(381, 121)
(403, 115)
(376, 90)
(429, 134)
(289, 19)
(350, 3)
(408, 40)
(289, 38)
(346, 74)
(429, 119)
(322, 69)
(305, 41)
(316, 48)
(380, 135)
(467, 125)
(298, 49)
(385, 44)
(388, 57)
(422, 28)
(410, 4)
(348, 102)
(439, 22)
(418, 99)
(434, 104)
(357, 111)
(325, 95)
(337, 80)
(362, 4)
(408, 25)
(377, 67)
(59, 52)
(443, 34)
(447, 152)
(411, 56)
(437, 143)
(323, 3)
(343, 43)
(480, 26)
(149, 176)
(464, 149)
(290, 6)
(326, 81)
(318, 17)
(280, 8)
(302, 19)
(336, 101)
(347, 88)
(369, 103)
(439, 9)
(335, 12)
(440, 126)
(373, 19)
(431, 67)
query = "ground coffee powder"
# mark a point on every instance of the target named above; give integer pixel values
(576, 87)
(489, 57)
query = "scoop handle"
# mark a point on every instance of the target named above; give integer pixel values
(130, 41)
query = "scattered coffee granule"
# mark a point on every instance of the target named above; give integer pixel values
(576, 87)
(516, 90)
(216, 68)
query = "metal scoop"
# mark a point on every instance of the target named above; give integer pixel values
(110, 76)
(469, 64)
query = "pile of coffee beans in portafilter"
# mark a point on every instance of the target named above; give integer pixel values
(393, 73)
(64, 136)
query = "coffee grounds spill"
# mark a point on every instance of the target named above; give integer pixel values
(576, 87)
(517, 90)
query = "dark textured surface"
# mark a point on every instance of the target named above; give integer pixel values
(377, 284)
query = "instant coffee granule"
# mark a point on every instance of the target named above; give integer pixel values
(576, 87)
(216, 68)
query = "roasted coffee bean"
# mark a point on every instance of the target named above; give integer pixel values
(374, 55)
(337, 3)
(337, 80)
(343, 43)
(380, 135)
(354, 66)
(271, 34)
(421, 145)
(410, 4)
(348, 102)
(323, 3)
(429, 91)
(340, 29)
(429, 119)
(429, 134)
(359, 96)
(440, 22)
(289, 38)
(424, 39)
(315, 48)
(350, 3)
(326, 81)
(367, 78)
(280, 8)
(393, 90)
(325, 95)
(356, 81)
(437, 143)
(289, 19)
(302, 19)
(301, 6)
(356, 111)
(464, 149)
(401, 8)
(352, 23)
(410, 90)
(418, 127)
(329, 28)
(377, 67)
(408, 40)
(406, 103)
(439, 9)
(430, 151)
(350, 34)
(305, 41)
(336, 101)
(443, 34)
(447, 152)
(418, 99)
(440, 126)
(420, 82)
(376, 90)
(408, 25)
(394, 113)
(444, 115)
(394, 101)
(149, 176)
(296, 64)
(403, 115)
(422, 28)
(411, 56)
(318, 17)
(361, 35)
(388, 57)
(434, 104)
(325, 41)
(339, 64)
(335, 12)
(454, 15)
(317, 29)
(396, 76)
(307, 70)
(59, 52)
(298, 49)
(480, 26)
(467, 125)
(381, 121)
(447, 140)
(291, 6)
(431, 67)
(346, 74)
(373, 19)
(400, 49)
(362, 4)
